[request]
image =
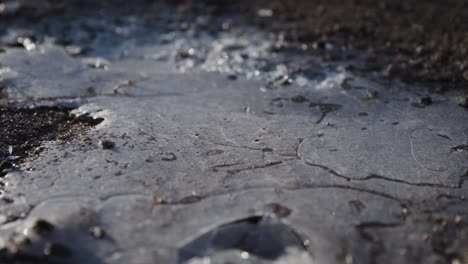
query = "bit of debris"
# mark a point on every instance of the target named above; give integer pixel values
(186, 53)
(357, 205)
(107, 144)
(426, 100)
(279, 210)
(371, 94)
(159, 201)
(298, 99)
(463, 101)
(167, 156)
(232, 77)
(42, 227)
(97, 232)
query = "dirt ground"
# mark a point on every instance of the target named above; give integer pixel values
(416, 41)
(419, 41)
(23, 130)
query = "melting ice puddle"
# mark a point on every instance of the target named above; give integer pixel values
(264, 237)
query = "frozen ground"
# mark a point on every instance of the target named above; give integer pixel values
(222, 143)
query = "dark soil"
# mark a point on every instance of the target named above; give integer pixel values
(23, 130)
(419, 41)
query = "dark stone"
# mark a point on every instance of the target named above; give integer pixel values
(426, 100)
(107, 144)
(42, 227)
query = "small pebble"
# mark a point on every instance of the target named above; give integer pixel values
(287, 81)
(73, 50)
(159, 201)
(278, 209)
(357, 205)
(97, 232)
(371, 94)
(107, 144)
(232, 77)
(42, 227)
(426, 100)
(463, 101)
(298, 99)
(167, 156)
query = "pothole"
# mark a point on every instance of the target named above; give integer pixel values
(23, 130)
(265, 237)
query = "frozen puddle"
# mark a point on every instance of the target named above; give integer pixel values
(205, 131)
(264, 237)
